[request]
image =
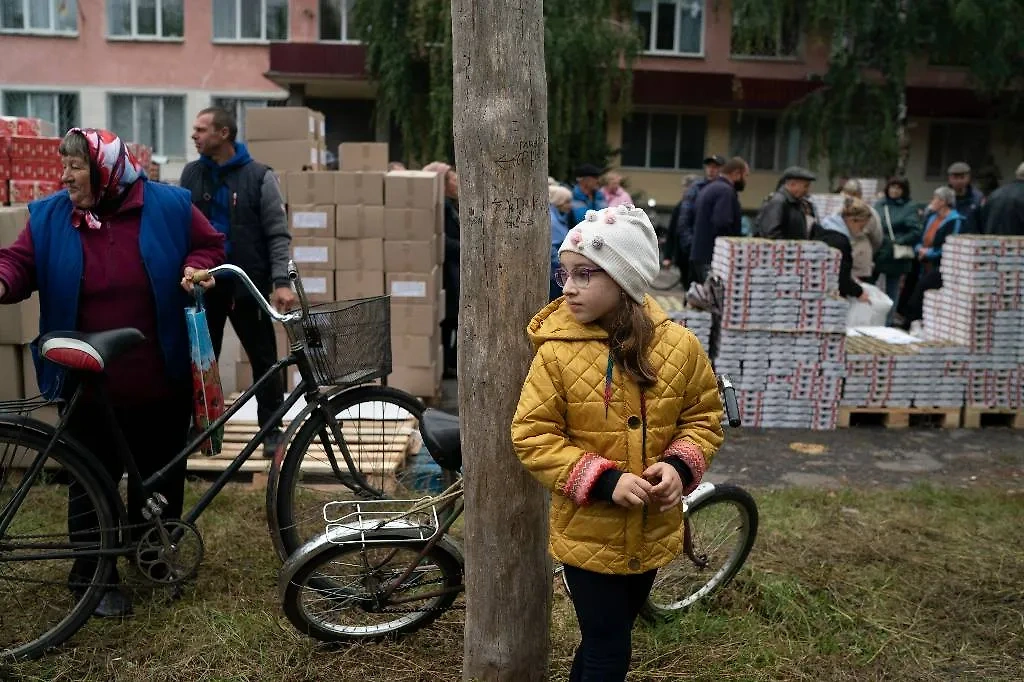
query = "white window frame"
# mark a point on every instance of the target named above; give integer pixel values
(162, 132)
(678, 139)
(135, 35)
(345, 5)
(55, 94)
(51, 31)
(675, 52)
(262, 40)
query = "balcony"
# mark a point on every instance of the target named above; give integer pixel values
(298, 62)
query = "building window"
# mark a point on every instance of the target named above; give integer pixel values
(238, 107)
(663, 140)
(782, 43)
(60, 109)
(671, 26)
(336, 21)
(236, 20)
(39, 16)
(764, 142)
(157, 121)
(952, 142)
(145, 18)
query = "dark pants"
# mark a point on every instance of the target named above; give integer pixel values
(606, 608)
(155, 433)
(698, 272)
(255, 331)
(449, 339)
(915, 304)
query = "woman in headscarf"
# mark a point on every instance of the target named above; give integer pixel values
(114, 250)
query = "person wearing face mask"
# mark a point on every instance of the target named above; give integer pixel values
(717, 214)
(115, 250)
(787, 213)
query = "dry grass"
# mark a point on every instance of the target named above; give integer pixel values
(923, 584)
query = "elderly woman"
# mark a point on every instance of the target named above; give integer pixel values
(839, 231)
(559, 203)
(901, 230)
(115, 250)
(941, 221)
(868, 241)
(614, 193)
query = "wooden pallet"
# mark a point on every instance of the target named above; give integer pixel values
(899, 417)
(981, 417)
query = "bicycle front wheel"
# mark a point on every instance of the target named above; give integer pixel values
(45, 595)
(723, 528)
(335, 591)
(380, 427)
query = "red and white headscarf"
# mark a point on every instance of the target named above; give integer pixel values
(116, 168)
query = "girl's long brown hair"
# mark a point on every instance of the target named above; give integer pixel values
(631, 342)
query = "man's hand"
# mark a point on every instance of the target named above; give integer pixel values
(667, 489)
(631, 491)
(188, 284)
(284, 299)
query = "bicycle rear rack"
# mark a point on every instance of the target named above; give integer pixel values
(355, 520)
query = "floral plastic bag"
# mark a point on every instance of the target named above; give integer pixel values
(207, 392)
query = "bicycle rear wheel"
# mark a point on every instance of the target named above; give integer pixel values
(334, 591)
(41, 604)
(723, 528)
(380, 428)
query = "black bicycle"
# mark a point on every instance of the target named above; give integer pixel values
(350, 437)
(389, 567)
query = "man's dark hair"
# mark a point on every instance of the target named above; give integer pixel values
(222, 118)
(733, 165)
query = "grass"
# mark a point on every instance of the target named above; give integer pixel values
(919, 584)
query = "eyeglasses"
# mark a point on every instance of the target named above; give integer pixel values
(579, 275)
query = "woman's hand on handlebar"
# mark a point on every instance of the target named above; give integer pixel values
(193, 276)
(284, 299)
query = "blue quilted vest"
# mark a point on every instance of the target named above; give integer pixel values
(164, 240)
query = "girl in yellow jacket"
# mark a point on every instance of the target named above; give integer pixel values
(619, 418)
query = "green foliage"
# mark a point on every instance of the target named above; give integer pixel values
(586, 43)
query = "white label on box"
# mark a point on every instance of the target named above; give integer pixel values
(409, 289)
(315, 285)
(310, 254)
(312, 125)
(312, 157)
(316, 220)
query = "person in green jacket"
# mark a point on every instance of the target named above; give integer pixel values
(901, 226)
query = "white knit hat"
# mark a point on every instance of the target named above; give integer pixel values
(622, 242)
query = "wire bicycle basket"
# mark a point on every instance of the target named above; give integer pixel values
(347, 342)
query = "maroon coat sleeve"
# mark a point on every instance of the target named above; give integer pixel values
(207, 243)
(18, 268)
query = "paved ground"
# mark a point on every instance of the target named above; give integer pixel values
(866, 456)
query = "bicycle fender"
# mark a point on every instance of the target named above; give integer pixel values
(46, 431)
(702, 492)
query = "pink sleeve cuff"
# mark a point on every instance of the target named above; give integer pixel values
(692, 456)
(584, 475)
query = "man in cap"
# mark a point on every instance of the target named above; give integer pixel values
(717, 214)
(968, 198)
(681, 222)
(587, 194)
(787, 214)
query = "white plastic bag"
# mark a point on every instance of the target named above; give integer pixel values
(871, 313)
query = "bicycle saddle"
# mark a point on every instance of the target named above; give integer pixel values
(440, 432)
(88, 352)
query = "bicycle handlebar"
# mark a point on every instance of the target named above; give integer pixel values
(200, 276)
(732, 408)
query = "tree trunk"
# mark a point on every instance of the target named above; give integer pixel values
(902, 133)
(501, 137)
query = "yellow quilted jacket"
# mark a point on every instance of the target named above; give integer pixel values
(566, 435)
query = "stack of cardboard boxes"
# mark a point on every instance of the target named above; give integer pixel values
(19, 324)
(29, 165)
(286, 138)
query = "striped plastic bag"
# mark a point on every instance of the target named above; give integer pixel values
(207, 392)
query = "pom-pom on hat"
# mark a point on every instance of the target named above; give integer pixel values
(622, 242)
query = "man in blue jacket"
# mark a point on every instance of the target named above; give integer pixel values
(717, 214)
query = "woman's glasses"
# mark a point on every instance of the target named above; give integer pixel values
(579, 275)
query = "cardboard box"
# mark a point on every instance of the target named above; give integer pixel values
(359, 188)
(424, 382)
(311, 187)
(410, 350)
(408, 225)
(13, 220)
(12, 386)
(243, 375)
(410, 256)
(312, 253)
(283, 123)
(319, 288)
(19, 322)
(28, 370)
(412, 287)
(412, 189)
(358, 222)
(287, 155)
(306, 220)
(413, 319)
(363, 156)
(350, 284)
(359, 254)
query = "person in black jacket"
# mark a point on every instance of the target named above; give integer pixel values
(450, 274)
(1003, 213)
(717, 214)
(785, 214)
(838, 231)
(242, 200)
